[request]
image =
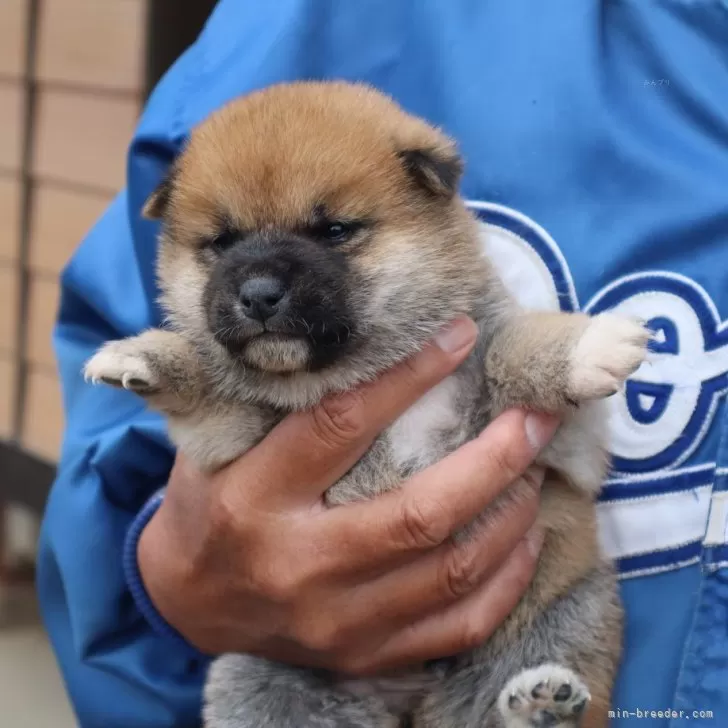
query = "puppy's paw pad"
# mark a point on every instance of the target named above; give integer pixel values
(549, 696)
(118, 367)
(610, 349)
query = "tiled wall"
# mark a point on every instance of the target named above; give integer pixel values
(67, 111)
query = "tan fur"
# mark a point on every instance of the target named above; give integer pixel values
(227, 171)
(263, 166)
(517, 356)
(569, 553)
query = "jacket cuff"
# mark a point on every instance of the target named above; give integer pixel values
(134, 581)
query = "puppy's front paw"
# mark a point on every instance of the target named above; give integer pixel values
(548, 696)
(610, 349)
(121, 364)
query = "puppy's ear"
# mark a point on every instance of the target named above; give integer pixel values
(157, 203)
(436, 169)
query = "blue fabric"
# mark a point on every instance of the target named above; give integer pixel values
(133, 577)
(596, 137)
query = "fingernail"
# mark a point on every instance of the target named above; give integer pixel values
(540, 428)
(534, 540)
(456, 335)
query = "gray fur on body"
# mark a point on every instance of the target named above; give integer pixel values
(262, 188)
(224, 419)
(242, 689)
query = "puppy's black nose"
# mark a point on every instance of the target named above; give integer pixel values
(262, 297)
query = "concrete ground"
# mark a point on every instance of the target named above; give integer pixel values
(31, 691)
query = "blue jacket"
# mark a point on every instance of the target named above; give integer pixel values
(596, 141)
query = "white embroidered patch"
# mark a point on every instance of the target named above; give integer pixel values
(655, 510)
(669, 404)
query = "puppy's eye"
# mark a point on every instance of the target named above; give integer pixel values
(224, 240)
(337, 232)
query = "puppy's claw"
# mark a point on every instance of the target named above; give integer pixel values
(130, 381)
(118, 365)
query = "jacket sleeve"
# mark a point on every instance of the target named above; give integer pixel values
(119, 670)
(115, 457)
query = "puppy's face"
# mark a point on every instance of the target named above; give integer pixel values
(314, 226)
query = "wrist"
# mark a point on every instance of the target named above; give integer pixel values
(147, 568)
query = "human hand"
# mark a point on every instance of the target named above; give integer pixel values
(250, 560)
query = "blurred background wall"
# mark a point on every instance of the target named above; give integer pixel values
(73, 77)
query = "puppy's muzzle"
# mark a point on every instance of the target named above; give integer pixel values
(263, 297)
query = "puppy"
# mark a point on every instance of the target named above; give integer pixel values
(313, 237)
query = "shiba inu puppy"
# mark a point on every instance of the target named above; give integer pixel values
(312, 237)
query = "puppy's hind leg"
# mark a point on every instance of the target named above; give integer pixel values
(574, 641)
(249, 692)
(548, 696)
(158, 365)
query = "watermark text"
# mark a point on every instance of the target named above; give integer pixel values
(655, 714)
